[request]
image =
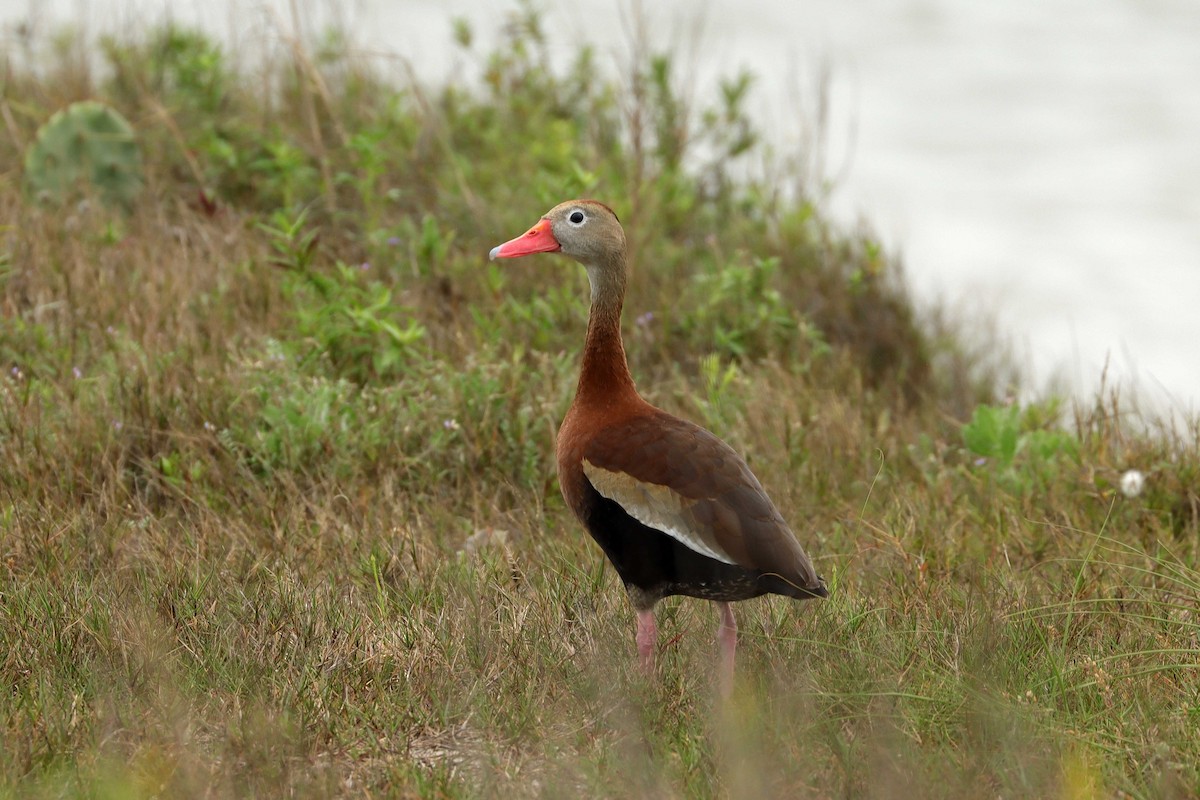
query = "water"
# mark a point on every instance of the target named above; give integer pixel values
(1038, 162)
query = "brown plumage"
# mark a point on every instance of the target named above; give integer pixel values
(674, 508)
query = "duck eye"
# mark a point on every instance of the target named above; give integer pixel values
(576, 218)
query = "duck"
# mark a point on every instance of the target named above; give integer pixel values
(675, 509)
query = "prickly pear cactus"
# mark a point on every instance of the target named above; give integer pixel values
(85, 147)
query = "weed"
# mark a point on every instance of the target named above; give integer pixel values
(1003, 441)
(346, 318)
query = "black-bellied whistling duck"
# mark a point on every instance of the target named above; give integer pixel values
(674, 508)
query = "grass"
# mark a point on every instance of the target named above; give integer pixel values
(277, 503)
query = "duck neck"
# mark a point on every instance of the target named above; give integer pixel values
(605, 373)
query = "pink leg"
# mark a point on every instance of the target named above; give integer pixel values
(727, 647)
(647, 639)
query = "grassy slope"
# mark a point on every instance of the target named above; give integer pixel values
(244, 446)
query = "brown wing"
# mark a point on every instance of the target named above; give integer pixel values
(677, 477)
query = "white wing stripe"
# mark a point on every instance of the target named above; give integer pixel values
(652, 505)
(682, 536)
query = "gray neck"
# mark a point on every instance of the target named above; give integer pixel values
(605, 372)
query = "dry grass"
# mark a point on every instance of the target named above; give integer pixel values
(274, 523)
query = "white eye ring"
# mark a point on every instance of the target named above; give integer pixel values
(576, 217)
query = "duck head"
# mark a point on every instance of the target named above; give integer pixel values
(585, 230)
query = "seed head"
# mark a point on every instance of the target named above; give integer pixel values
(1132, 483)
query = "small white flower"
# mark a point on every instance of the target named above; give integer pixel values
(1132, 483)
(450, 424)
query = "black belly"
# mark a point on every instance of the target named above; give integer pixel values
(653, 565)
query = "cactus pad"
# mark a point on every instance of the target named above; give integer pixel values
(85, 147)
